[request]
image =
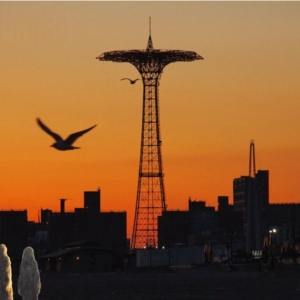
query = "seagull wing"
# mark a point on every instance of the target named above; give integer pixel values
(74, 136)
(47, 130)
(126, 78)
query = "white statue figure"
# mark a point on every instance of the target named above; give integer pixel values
(29, 284)
(6, 289)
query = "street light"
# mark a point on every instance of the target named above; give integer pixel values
(272, 252)
(38, 252)
(270, 235)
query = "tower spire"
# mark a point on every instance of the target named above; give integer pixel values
(253, 227)
(149, 44)
(252, 160)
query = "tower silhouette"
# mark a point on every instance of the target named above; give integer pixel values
(257, 205)
(150, 198)
(252, 241)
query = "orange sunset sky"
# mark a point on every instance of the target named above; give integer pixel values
(247, 87)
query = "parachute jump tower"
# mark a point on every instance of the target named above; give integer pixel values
(150, 198)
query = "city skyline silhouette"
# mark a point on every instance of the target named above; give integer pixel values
(246, 88)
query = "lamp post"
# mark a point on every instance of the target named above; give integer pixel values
(38, 254)
(272, 252)
(270, 235)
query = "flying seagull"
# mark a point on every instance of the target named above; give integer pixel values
(61, 144)
(131, 81)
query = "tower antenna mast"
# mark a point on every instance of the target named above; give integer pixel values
(253, 231)
(150, 197)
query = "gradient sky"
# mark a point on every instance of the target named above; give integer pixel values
(247, 87)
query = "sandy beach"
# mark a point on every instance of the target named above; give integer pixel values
(201, 282)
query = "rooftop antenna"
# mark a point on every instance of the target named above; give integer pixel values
(150, 26)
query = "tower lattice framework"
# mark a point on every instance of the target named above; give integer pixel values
(150, 198)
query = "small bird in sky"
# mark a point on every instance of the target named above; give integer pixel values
(131, 81)
(61, 144)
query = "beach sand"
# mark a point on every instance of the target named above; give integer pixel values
(201, 282)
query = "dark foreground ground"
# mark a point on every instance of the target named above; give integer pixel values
(203, 282)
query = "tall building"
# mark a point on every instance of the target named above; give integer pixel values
(87, 223)
(173, 228)
(203, 219)
(225, 210)
(13, 231)
(285, 218)
(262, 186)
(229, 220)
(251, 196)
(240, 195)
(193, 226)
(92, 200)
